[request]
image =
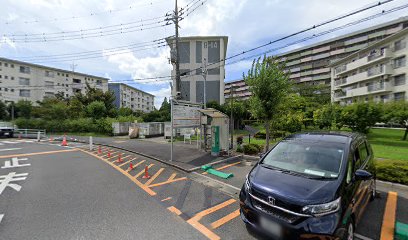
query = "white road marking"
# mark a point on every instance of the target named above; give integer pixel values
(1, 217)
(361, 237)
(9, 149)
(14, 163)
(11, 177)
(9, 142)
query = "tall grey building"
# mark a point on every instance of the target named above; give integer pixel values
(195, 53)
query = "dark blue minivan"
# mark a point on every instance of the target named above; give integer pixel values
(310, 186)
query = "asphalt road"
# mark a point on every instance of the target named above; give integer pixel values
(75, 193)
(74, 196)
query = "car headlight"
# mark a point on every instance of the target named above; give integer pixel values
(323, 209)
(247, 184)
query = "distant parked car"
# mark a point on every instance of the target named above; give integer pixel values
(310, 186)
(6, 129)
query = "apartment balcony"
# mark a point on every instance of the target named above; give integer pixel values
(362, 62)
(370, 74)
(371, 89)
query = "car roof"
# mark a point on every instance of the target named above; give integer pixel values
(326, 136)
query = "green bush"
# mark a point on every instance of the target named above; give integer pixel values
(240, 140)
(239, 149)
(392, 171)
(274, 134)
(251, 148)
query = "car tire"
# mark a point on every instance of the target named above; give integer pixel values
(373, 190)
(349, 231)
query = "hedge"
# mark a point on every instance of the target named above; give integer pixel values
(103, 125)
(392, 171)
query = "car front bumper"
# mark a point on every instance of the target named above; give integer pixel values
(326, 227)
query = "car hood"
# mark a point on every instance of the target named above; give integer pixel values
(293, 189)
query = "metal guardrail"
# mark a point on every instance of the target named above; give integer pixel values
(31, 132)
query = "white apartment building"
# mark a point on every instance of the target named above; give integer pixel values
(27, 81)
(194, 53)
(130, 97)
(377, 72)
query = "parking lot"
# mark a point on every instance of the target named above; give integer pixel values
(59, 192)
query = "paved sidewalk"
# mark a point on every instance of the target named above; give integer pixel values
(185, 156)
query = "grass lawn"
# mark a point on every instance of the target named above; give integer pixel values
(387, 144)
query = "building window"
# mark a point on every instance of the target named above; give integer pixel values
(399, 96)
(12, 65)
(199, 52)
(6, 64)
(24, 69)
(399, 80)
(58, 74)
(398, 45)
(184, 48)
(49, 95)
(399, 62)
(5, 77)
(49, 73)
(99, 82)
(24, 93)
(24, 81)
(67, 75)
(213, 51)
(12, 78)
(49, 84)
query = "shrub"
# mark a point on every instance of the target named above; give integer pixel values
(239, 149)
(252, 149)
(392, 171)
(240, 140)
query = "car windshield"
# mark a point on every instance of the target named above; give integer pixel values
(307, 158)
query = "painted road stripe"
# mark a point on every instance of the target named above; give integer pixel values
(39, 153)
(9, 149)
(174, 210)
(201, 228)
(154, 176)
(1, 217)
(226, 166)
(143, 171)
(123, 164)
(166, 199)
(225, 219)
(388, 224)
(172, 176)
(137, 164)
(133, 179)
(167, 182)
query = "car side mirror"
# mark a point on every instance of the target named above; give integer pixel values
(363, 175)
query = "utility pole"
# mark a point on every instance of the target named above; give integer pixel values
(231, 118)
(176, 25)
(204, 73)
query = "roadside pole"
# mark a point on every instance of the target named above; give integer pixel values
(172, 128)
(38, 136)
(90, 143)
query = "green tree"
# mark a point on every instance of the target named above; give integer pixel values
(96, 110)
(361, 116)
(76, 108)
(24, 108)
(95, 94)
(324, 116)
(397, 112)
(214, 104)
(124, 111)
(3, 111)
(269, 84)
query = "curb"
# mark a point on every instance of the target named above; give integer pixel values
(392, 185)
(249, 157)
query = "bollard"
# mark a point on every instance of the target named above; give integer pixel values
(90, 143)
(38, 136)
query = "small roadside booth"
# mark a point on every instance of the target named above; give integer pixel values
(215, 127)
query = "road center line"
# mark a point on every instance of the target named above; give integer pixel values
(39, 153)
(388, 224)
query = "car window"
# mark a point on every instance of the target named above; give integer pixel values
(363, 151)
(350, 169)
(357, 159)
(309, 158)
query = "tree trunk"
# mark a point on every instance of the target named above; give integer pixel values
(267, 136)
(405, 134)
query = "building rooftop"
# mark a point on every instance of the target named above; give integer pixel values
(386, 24)
(376, 44)
(52, 68)
(124, 84)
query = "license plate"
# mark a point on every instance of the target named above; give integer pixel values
(271, 226)
(6, 134)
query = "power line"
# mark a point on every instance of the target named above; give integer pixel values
(368, 7)
(92, 14)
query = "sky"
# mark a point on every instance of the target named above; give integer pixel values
(247, 23)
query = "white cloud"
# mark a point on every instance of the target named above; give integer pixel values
(143, 67)
(160, 95)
